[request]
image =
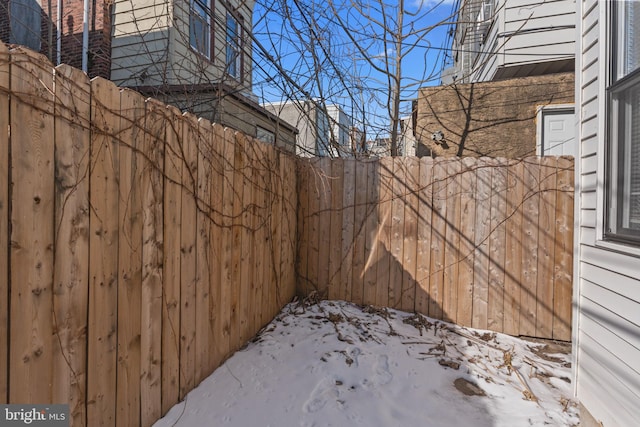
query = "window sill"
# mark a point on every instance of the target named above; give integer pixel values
(625, 249)
(200, 55)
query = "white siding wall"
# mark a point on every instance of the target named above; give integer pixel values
(607, 279)
(140, 43)
(489, 60)
(526, 32)
(301, 115)
(542, 30)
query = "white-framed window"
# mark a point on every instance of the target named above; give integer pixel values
(200, 26)
(623, 125)
(234, 47)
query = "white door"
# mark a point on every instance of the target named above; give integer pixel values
(558, 133)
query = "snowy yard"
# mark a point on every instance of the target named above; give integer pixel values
(338, 364)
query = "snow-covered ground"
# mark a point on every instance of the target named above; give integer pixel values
(338, 364)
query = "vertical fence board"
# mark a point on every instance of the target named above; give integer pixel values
(240, 164)
(289, 233)
(324, 223)
(152, 244)
(104, 241)
(513, 247)
(241, 240)
(189, 154)
(215, 208)
(203, 136)
(372, 233)
(348, 229)
(531, 211)
(128, 406)
(481, 255)
(495, 305)
(359, 241)
(272, 212)
(32, 228)
(438, 238)
(246, 256)
(315, 185)
(397, 229)
(254, 234)
(423, 244)
(278, 245)
(239, 160)
(467, 242)
(303, 189)
(409, 244)
(452, 243)
(312, 229)
(4, 220)
(283, 224)
(335, 249)
(267, 288)
(385, 189)
(226, 244)
(546, 255)
(563, 271)
(216, 352)
(171, 263)
(71, 270)
(261, 237)
(255, 238)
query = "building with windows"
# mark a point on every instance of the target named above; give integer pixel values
(194, 54)
(508, 89)
(324, 130)
(197, 55)
(606, 327)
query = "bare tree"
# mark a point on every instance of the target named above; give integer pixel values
(355, 53)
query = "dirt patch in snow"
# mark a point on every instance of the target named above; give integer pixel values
(468, 388)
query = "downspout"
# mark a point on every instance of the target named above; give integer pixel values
(59, 38)
(49, 32)
(85, 36)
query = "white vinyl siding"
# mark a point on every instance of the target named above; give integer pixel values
(140, 43)
(607, 280)
(526, 37)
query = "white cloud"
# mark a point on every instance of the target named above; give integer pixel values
(383, 55)
(432, 3)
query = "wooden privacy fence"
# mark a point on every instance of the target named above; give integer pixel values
(138, 246)
(485, 243)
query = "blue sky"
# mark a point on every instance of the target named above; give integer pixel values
(345, 77)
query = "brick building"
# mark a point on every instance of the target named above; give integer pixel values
(507, 86)
(19, 25)
(495, 119)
